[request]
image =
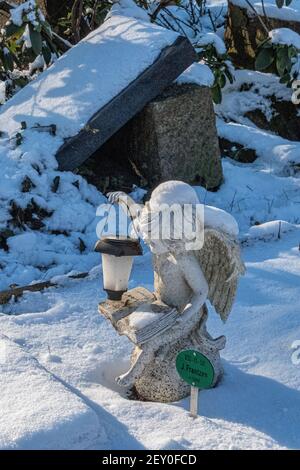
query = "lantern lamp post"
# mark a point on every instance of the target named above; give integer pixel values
(117, 259)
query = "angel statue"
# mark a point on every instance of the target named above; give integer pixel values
(185, 276)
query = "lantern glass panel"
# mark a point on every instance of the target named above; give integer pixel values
(116, 272)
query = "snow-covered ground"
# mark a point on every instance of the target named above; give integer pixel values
(59, 357)
(69, 356)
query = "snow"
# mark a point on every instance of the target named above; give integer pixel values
(2, 92)
(270, 230)
(171, 193)
(18, 12)
(67, 95)
(256, 406)
(197, 73)
(259, 374)
(276, 154)
(290, 38)
(142, 316)
(29, 10)
(59, 357)
(220, 220)
(33, 402)
(128, 8)
(285, 36)
(212, 38)
(290, 13)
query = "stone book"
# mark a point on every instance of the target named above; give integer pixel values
(147, 321)
(139, 316)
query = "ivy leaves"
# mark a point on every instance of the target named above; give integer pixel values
(22, 43)
(219, 65)
(278, 59)
(221, 75)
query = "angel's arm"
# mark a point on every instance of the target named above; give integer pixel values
(194, 277)
(126, 202)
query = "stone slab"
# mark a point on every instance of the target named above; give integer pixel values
(106, 121)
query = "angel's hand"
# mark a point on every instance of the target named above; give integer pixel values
(116, 197)
(130, 207)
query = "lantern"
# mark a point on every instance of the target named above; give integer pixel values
(117, 259)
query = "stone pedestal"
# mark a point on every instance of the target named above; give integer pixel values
(173, 137)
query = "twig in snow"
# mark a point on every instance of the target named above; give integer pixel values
(279, 231)
(7, 295)
(232, 202)
(212, 21)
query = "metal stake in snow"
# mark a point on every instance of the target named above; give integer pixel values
(195, 369)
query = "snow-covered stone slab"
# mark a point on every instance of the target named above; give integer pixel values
(134, 63)
(38, 411)
(98, 85)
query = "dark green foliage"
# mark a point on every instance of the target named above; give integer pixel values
(282, 3)
(219, 65)
(278, 59)
(17, 53)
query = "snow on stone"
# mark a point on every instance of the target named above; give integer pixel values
(178, 192)
(220, 220)
(142, 316)
(172, 192)
(274, 229)
(197, 73)
(129, 8)
(260, 87)
(290, 13)
(276, 152)
(85, 78)
(37, 410)
(215, 40)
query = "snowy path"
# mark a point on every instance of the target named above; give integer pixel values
(256, 406)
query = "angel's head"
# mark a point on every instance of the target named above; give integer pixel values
(172, 219)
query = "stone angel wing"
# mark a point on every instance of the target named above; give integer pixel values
(222, 266)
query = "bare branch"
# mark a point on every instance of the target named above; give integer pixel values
(258, 17)
(76, 19)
